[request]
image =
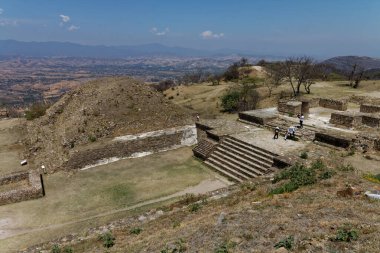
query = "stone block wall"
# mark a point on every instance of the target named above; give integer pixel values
(371, 120)
(290, 107)
(333, 139)
(347, 119)
(132, 145)
(368, 108)
(340, 105)
(33, 190)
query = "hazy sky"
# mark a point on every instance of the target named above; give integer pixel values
(287, 27)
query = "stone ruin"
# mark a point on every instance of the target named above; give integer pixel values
(27, 185)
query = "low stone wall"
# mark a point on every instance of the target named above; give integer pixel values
(33, 190)
(368, 108)
(290, 107)
(334, 139)
(14, 177)
(257, 116)
(130, 145)
(347, 119)
(371, 120)
(340, 105)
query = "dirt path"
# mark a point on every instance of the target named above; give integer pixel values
(203, 187)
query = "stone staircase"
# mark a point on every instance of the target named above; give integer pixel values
(239, 160)
(204, 148)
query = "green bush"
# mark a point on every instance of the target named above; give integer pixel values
(92, 138)
(287, 243)
(304, 155)
(108, 240)
(36, 110)
(230, 101)
(195, 207)
(300, 175)
(135, 231)
(346, 235)
(68, 249)
(55, 249)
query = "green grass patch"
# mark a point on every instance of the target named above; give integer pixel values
(299, 175)
(120, 193)
(372, 178)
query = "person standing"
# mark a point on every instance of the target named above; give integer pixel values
(302, 118)
(276, 132)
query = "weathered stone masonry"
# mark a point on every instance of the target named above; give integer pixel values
(340, 105)
(33, 190)
(126, 146)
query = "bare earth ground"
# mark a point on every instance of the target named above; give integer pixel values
(10, 148)
(74, 202)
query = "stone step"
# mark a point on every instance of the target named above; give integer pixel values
(253, 158)
(243, 168)
(258, 167)
(246, 150)
(223, 172)
(259, 150)
(228, 166)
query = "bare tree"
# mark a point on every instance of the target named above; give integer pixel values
(299, 71)
(274, 76)
(355, 75)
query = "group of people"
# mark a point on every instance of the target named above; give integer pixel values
(291, 132)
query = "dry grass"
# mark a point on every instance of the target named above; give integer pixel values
(72, 199)
(10, 149)
(255, 222)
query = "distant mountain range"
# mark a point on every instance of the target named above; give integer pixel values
(345, 63)
(67, 49)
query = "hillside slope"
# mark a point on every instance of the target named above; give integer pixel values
(345, 63)
(100, 109)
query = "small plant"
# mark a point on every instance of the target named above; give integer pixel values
(92, 138)
(286, 243)
(225, 247)
(304, 155)
(135, 231)
(178, 247)
(171, 97)
(55, 249)
(346, 235)
(346, 168)
(108, 240)
(248, 186)
(195, 207)
(68, 249)
(326, 174)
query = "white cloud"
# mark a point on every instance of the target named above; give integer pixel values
(73, 28)
(1, 11)
(8, 22)
(64, 18)
(210, 35)
(157, 32)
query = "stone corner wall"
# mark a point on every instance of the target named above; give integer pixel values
(340, 105)
(35, 188)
